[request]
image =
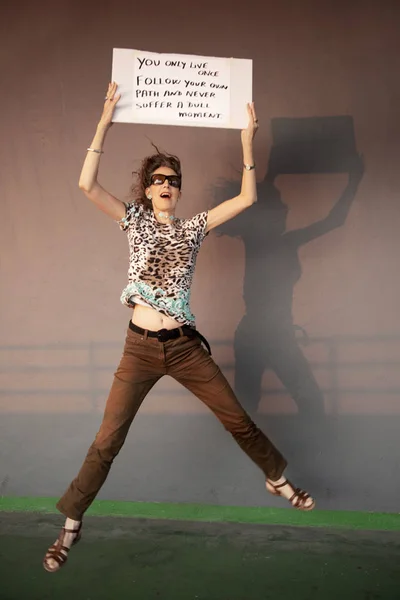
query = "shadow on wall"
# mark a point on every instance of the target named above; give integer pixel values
(266, 336)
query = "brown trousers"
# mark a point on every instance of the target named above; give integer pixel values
(145, 360)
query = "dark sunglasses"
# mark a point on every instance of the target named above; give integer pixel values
(159, 178)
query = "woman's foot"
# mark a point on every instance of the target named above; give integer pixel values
(298, 498)
(57, 554)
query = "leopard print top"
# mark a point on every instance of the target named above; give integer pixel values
(162, 260)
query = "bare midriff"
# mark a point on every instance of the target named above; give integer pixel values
(149, 318)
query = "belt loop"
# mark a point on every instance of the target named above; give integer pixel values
(145, 334)
(180, 331)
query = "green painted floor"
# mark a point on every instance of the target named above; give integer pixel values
(120, 558)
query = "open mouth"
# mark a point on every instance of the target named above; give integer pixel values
(165, 195)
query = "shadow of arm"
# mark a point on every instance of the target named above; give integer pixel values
(338, 214)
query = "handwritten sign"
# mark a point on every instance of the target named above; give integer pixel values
(180, 89)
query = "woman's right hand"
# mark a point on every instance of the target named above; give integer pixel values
(109, 105)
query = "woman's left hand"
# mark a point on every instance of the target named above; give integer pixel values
(251, 130)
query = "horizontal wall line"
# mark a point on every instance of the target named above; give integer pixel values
(393, 390)
(93, 368)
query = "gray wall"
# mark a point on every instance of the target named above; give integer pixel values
(63, 264)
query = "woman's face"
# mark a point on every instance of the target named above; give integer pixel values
(164, 193)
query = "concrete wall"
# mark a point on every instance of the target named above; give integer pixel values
(63, 264)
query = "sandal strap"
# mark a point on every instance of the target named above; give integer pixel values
(63, 551)
(57, 554)
(76, 531)
(299, 498)
(73, 530)
(280, 485)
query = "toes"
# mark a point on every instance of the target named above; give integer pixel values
(51, 563)
(306, 503)
(54, 559)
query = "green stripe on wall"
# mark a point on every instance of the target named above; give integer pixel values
(211, 513)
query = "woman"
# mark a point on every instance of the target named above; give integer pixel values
(162, 338)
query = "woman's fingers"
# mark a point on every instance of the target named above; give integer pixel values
(112, 88)
(110, 102)
(252, 114)
(115, 97)
(108, 92)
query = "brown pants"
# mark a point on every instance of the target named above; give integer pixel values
(145, 360)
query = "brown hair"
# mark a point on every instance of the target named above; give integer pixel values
(147, 168)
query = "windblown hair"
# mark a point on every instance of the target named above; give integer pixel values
(149, 165)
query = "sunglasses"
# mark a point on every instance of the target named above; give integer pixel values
(159, 178)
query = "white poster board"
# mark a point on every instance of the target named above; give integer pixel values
(181, 89)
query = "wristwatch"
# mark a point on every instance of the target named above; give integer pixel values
(249, 167)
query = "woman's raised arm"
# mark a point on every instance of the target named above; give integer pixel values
(88, 179)
(248, 193)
